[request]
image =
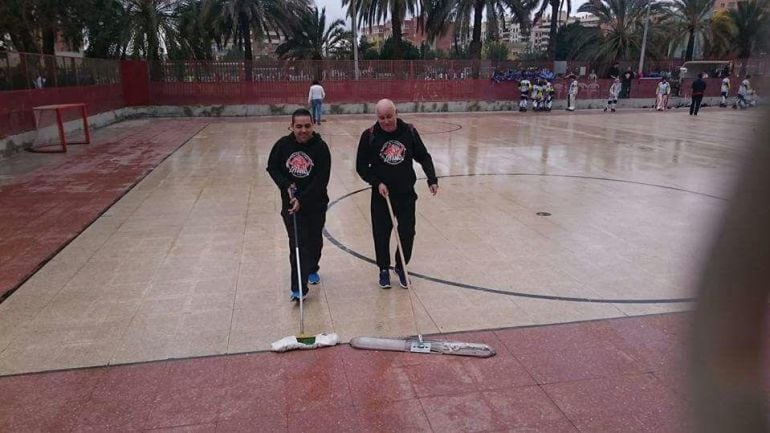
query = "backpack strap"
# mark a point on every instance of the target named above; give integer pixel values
(371, 136)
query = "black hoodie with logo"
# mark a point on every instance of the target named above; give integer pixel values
(386, 157)
(307, 165)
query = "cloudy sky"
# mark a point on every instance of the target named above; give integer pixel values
(335, 10)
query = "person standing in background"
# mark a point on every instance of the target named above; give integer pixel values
(698, 88)
(744, 94)
(612, 99)
(625, 81)
(662, 93)
(524, 87)
(39, 81)
(724, 92)
(315, 99)
(572, 92)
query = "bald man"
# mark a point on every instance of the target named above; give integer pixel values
(384, 161)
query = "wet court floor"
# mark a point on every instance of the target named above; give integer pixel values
(193, 261)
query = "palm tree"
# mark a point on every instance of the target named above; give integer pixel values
(33, 25)
(242, 19)
(691, 18)
(197, 30)
(575, 42)
(373, 12)
(623, 21)
(105, 26)
(310, 39)
(440, 13)
(719, 36)
(750, 19)
(150, 24)
(17, 21)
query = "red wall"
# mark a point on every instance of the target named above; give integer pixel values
(295, 92)
(136, 89)
(16, 105)
(135, 80)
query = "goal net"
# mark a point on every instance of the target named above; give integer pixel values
(57, 126)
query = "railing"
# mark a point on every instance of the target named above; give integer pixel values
(28, 80)
(326, 70)
(341, 70)
(19, 71)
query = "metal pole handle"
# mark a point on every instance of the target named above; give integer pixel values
(403, 265)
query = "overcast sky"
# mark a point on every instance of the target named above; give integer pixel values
(335, 10)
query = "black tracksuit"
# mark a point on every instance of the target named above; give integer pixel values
(307, 166)
(386, 157)
(698, 88)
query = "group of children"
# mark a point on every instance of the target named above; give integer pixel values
(542, 93)
(745, 97)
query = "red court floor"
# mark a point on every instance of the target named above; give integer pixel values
(617, 375)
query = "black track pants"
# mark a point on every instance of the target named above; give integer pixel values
(310, 227)
(695, 105)
(403, 208)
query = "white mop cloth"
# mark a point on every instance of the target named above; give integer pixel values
(290, 343)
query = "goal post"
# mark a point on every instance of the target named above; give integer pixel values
(60, 125)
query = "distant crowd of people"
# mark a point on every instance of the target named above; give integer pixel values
(539, 94)
(531, 74)
(537, 91)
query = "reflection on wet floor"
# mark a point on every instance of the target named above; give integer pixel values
(193, 260)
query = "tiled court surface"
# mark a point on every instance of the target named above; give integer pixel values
(192, 262)
(46, 200)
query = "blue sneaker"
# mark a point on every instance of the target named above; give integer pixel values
(295, 296)
(384, 279)
(313, 278)
(401, 277)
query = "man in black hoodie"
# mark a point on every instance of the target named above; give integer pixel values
(300, 164)
(384, 161)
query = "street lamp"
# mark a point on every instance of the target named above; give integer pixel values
(644, 38)
(355, 38)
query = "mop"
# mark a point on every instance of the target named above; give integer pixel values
(302, 341)
(418, 344)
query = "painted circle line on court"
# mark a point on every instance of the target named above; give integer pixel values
(358, 255)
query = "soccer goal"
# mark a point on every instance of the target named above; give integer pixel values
(59, 125)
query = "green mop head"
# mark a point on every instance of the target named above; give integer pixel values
(305, 342)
